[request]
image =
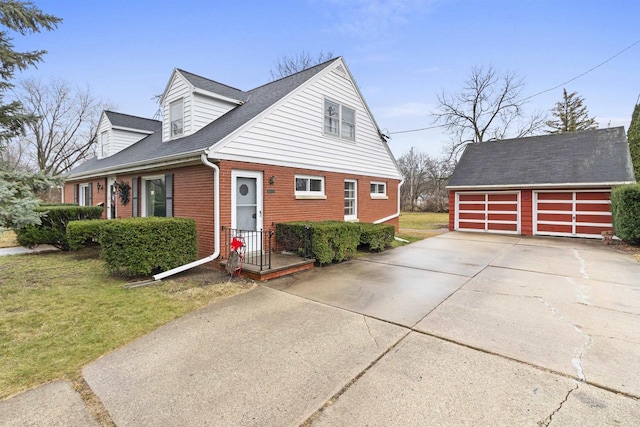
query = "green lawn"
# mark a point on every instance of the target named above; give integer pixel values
(424, 220)
(59, 311)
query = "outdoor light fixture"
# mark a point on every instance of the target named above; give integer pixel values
(272, 179)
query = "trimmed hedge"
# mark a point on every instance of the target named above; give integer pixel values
(333, 240)
(376, 236)
(142, 246)
(625, 212)
(83, 233)
(53, 227)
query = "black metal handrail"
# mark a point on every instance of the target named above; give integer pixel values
(257, 245)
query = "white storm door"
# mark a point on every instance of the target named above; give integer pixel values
(246, 201)
(112, 197)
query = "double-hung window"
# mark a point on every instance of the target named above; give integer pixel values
(154, 196)
(339, 120)
(309, 186)
(176, 114)
(104, 144)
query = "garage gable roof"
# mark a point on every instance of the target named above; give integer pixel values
(590, 157)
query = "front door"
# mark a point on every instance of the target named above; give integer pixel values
(246, 216)
(111, 198)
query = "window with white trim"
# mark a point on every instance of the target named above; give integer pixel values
(339, 120)
(83, 195)
(154, 196)
(309, 186)
(378, 190)
(176, 115)
(104, 143)
(350, 200)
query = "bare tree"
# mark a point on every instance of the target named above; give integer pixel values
(488, 107)
(14, 157)
(65, 130)
(438, 172)
(425, 178)
(291, 64)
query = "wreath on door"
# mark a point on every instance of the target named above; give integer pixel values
(124, 190)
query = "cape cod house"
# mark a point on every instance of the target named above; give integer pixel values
(304, 147)
(551, 185)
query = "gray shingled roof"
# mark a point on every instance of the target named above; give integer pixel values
(133, 122)
(588, 157)
(152, 147)
(213, 86)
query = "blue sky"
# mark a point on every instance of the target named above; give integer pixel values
(402, 53)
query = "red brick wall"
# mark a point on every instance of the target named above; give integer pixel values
(452, 210)
(193, 197)
(526, 212)
(280, 204)
(99, 195)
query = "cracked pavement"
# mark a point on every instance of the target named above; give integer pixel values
(459, 329)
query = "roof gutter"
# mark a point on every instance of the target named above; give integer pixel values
(395, 215)
(521, 186)
(136, 166)
(216, 219)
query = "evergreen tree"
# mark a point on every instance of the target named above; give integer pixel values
(17, 190)
(21, 17)
(634, 140)
(570, 115)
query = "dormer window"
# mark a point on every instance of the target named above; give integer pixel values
(339, 120)
(176, 118)
(104, 143)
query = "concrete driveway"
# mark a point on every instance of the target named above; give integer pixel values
(459, 329)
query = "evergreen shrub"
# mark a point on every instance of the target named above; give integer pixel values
(53, 227)
(625, 212)
(143, 246)
(83, 233)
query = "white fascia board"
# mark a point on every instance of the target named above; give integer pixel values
(224, 141)
(217, 96)
(146, 132)
(143, 165)
(373, 120)
(297, 165)
(534, 186)
(174, 74)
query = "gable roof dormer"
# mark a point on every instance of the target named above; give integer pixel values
(190, 102)
(117, 131)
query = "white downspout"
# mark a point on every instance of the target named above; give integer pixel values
(395, 215)
(216, 220)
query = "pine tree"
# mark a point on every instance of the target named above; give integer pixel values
(22, 17)
(17, 190)
(634, 140)
(571, 115)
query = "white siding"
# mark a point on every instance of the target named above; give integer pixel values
(178, 88)
(104, 126)
(206, 109)
(292, 134)
(121, 139)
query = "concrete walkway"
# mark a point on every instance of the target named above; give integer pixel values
(459, 329)
(20, 250)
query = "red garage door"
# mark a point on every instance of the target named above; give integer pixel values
(572, 213)
(492, 212)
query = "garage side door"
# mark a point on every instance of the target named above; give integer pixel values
(572, 213)
(490, 212)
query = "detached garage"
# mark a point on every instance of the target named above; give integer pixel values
(551, 185)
